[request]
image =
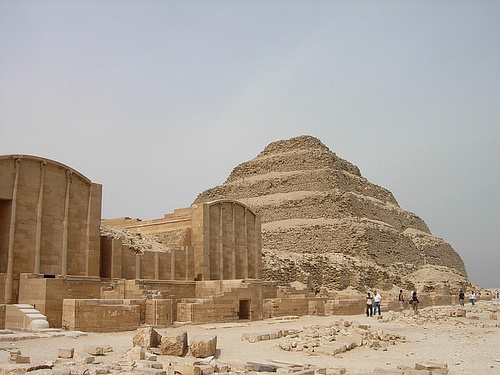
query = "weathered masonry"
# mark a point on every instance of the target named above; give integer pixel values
(212, 241)
(206, 265)
(49, 222)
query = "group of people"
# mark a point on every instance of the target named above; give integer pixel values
(373, 302)
(472, 298)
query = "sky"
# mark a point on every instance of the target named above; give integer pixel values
(160, 100)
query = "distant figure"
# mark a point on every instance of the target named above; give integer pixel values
(472, 298)
(414, 302)
(461, 298)
(376, 301)
(401, 299)
(410, 300)
(369, 305)
(497, 294)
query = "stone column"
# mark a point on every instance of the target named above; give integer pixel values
(38, 235)
(137, 266)
(64, 254)
(12, 233)
(157, 266)
(233, 252)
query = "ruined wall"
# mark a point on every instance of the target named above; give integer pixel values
(218, 240)
(49, 220)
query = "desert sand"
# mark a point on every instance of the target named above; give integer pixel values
(465, 345)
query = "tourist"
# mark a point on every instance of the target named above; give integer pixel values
(472, 298)
(497, 294)
(376, 301)
(414, 302)
(369, 305)
(461, 298)
(401, 299)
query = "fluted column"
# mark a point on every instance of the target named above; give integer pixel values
(64, 255)
(38, 235)
(12, 234)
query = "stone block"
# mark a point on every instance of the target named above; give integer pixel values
(332, 348)
(148, 371)
(260, 367)
(203, 346)
(202, 369)
(22, 359)
(435, 368)
(65, 352)
(83, 358)
(146, 337)
(94, 350)
(336, 371)
(174, 345)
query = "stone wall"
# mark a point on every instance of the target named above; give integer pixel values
(49, 220)
(219, 240)
(102, 315)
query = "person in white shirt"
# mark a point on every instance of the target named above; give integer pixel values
(472, 298)
(376, 303)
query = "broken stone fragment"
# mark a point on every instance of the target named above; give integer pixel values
(94, 350)
(435, 368)
(65, 352)
(146, 338)
(203, 346)
(174, 345)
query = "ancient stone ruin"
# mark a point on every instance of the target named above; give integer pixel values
(325, 225)
(286, 234)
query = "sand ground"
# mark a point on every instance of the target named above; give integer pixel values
(468, 345)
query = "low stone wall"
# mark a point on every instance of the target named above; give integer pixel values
(93, 315)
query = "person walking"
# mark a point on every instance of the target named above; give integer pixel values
(461, 298)
(472, 298)
(414, 302)
(369, 305)
(401, 299)
(376, 303)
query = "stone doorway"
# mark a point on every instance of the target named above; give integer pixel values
(244, 309)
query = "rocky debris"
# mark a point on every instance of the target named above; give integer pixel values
(325, 225)
(338, 338)
(136, 241)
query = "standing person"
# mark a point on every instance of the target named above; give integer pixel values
(414, 302)
(497, 294)
(472, 298)
(461, 298)
(376, 301)
(369, 305)
(401, 299)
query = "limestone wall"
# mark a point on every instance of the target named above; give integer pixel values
(102, 315)
(47, 294)
(49, 220)
(218, 240)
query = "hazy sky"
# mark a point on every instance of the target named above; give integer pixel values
(160, 100)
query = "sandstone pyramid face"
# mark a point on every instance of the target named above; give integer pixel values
(325, 225)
